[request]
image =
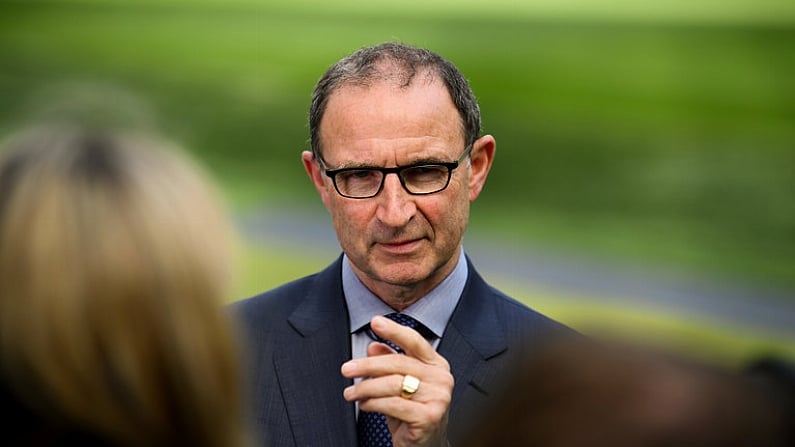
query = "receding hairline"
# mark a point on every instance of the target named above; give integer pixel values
(394, 73)
(397, 84)
(387, 68)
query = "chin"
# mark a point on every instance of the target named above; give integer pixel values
(403, 276)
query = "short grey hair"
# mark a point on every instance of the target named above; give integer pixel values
(395, 62)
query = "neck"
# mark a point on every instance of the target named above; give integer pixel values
(400, 297)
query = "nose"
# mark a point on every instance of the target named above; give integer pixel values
(396, 206)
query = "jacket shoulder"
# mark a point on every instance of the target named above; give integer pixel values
(275, 301)
(514, 316)
(514, 311)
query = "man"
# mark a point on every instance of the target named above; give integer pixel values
(397, 159)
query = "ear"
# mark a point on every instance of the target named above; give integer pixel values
(481, 158)
(316, 175)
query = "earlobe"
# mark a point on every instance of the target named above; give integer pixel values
(482, 156)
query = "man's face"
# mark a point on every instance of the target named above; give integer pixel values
(395, 238)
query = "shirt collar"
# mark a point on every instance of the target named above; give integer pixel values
(433, 310)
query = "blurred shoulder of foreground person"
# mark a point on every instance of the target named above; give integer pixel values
(589, 393)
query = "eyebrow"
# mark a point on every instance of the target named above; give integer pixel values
(419, 161)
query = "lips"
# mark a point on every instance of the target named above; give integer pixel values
(401, 246)
(402, 242)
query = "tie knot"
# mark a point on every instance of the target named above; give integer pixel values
(404, 320)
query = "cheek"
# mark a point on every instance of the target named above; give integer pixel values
(325, 196)
(435, 211)
(446, 211)
(350, 217)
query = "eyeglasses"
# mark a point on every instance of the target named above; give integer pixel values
(417, 179)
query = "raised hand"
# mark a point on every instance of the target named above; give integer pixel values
(415, 419)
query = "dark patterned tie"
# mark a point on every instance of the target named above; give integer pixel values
(372, 428)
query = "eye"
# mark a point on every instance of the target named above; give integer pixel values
(425, 173)
(358, 174)
(363, 173)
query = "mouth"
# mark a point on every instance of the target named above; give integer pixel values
(399, 247)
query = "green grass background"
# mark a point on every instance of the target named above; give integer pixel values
(656, 135)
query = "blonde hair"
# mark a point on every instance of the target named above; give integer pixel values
(114, 262)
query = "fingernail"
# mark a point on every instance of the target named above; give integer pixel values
(377, 321)
(348, 367)
(346, 393)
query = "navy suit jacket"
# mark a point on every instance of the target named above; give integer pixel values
(297, 337)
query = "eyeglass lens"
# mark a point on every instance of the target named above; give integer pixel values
(424, 179)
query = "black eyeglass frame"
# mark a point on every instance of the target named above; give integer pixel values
(398, 170)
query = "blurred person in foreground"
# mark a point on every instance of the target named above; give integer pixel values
(607, 393)
(114, 260)
(397, 159)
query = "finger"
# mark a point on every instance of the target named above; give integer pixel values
(375, 348)
(410, 340)
(385, 364)
(436, 384)
(374, 388)
(393, 424)
(353, 368)
(420, 415)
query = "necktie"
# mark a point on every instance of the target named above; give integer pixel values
(372, 428)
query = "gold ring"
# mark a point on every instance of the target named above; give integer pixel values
(410, 385)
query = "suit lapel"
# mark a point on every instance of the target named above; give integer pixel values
(473, 336)
(308, 366)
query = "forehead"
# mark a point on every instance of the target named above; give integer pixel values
(385, 119)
